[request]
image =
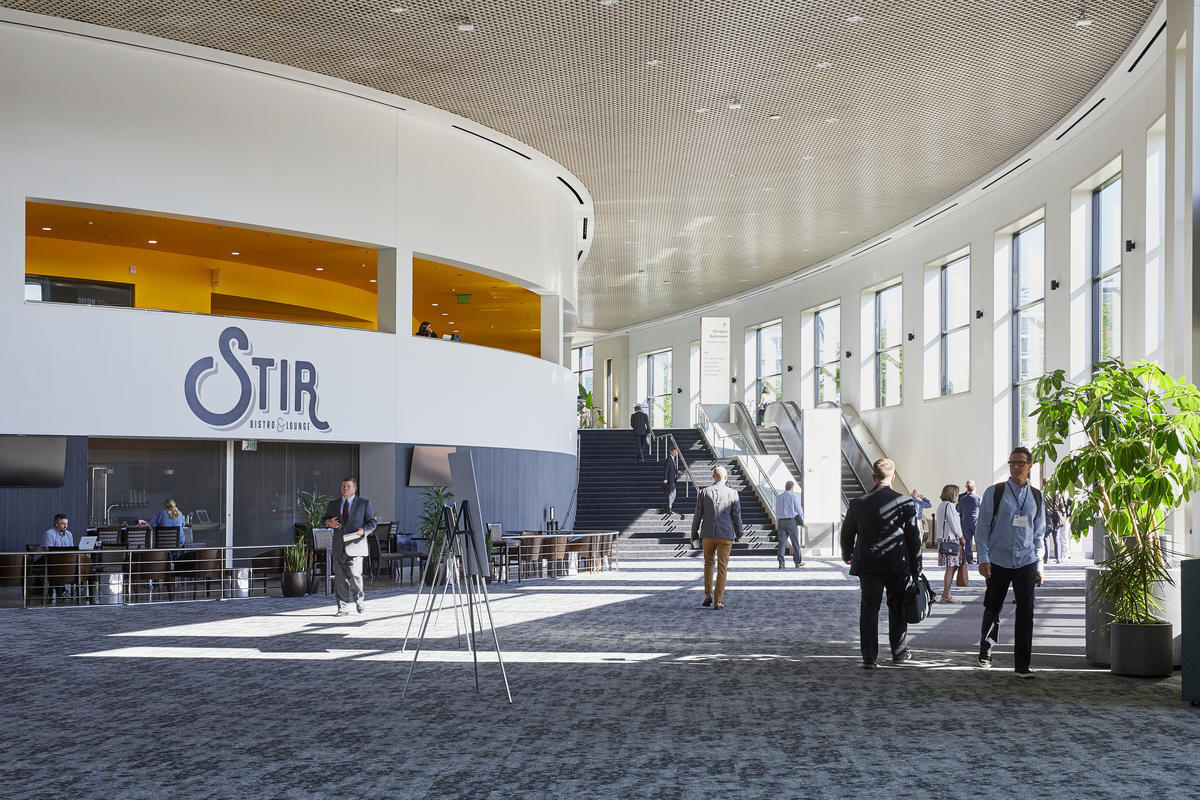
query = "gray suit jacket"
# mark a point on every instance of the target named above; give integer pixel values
(718, 513)
(361, 516)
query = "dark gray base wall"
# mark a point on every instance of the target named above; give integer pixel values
(26, 514)
(516, 487)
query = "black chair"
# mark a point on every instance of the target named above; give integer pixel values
(137, 537)
(166, 537)
(111, 536)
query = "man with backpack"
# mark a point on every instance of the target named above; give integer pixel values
(1008, 537)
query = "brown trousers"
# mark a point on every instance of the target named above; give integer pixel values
(716, 550)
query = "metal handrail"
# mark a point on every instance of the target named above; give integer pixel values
(575, 491)
(746, 427)
(719, 443)
(857, 439)
(102, 560)
(662, 448)
(602, 553)
(792, 433)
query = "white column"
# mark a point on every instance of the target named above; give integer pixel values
(1182, 286)
(552, 328)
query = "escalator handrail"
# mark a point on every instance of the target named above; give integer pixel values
(852, 446)
(745, 425)
(795, 421)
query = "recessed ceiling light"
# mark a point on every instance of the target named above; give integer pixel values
(320, 269)
(434, 305)
(235, 253)
(654, 62)
(608, 2)
(399, 10)
(47, 229)
(854, 18)
(832, 120)
(465, 27)
(362, 265)
(444, 314)
(734, 105)
(152, 241)
(449, 322)
(768, 188)
(824, 64)
(1082, 22)
(701, 110)
(806, 158)
(774, 116)
(372, 280)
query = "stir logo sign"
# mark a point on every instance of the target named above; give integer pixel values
(283, 390)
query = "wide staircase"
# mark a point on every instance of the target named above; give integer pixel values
(617, 493)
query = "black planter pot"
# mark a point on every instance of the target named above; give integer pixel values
(294, 584)
(1142, 650)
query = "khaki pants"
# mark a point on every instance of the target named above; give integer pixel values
(716, 550)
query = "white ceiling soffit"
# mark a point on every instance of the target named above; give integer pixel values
(825, 122)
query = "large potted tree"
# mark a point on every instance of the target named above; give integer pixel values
(429, 525)
(1131, 437)
(312, 506)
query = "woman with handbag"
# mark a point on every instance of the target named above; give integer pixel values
(948, 531)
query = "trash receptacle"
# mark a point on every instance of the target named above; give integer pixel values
(111, 589)
(237, 582)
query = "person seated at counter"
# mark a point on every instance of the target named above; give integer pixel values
(58, 536)
(171, 517)
(426, 329)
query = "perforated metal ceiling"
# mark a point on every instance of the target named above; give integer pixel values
(928, 96)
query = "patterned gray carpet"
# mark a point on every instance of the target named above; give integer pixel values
(623, 687)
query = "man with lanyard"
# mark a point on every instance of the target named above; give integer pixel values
(1008, 538)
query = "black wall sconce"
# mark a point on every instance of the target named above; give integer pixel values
(912, 336)
(848, 354)
(616, 399)
(979, 313)
(789, 367)
(678, 390)
(733, 380)
(1129, 245)
(1053, 285)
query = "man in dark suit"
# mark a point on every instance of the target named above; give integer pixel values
(641, 429)
(352, 518)
(968, 515)
(671, 475)
(882, 544)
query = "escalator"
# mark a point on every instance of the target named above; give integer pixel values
(859, 451)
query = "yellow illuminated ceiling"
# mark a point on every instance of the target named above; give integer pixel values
(497, 313)
(340, 263)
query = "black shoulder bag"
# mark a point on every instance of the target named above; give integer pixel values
(946, 547)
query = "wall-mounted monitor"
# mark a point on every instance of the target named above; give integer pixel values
(33, 461)
(430, 465)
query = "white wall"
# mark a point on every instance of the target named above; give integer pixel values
(95, 116)
(949, 439)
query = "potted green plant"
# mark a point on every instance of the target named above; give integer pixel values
(429, 525)
(589, 414)
(1132, 441)
(312, 507)
(294, 582)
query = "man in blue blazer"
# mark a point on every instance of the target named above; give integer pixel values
(352, 518)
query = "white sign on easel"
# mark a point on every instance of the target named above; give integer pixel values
(714, 360)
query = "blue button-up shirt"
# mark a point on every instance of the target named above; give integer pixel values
(1000, 542)
(787, 506)
(52, 538)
